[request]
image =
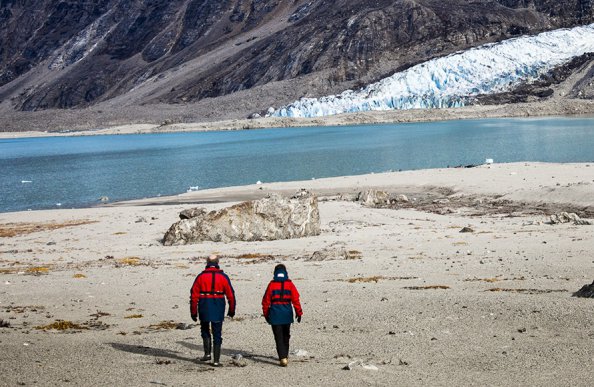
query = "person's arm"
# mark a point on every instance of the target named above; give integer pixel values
(194, 294)
(230, 294)
(266, 302)
(296, 303)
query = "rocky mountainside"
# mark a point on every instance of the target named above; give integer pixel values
(114, 53)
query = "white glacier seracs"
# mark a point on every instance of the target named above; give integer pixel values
(454, 80)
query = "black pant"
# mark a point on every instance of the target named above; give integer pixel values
(217, 329)
(282, 335)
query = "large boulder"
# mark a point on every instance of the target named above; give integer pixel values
(271, 218)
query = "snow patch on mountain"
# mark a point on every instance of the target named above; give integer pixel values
(454, 80)
(80, 46)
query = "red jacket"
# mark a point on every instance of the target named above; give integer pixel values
(207, 296)
(277, 301)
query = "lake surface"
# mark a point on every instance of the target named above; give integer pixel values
(66, 172)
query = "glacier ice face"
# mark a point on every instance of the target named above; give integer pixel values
(454, 80)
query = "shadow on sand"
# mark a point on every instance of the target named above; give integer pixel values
(175, 355)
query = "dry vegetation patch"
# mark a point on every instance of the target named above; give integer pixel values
(37, 270)
(24, 308)
(134, 316)
(9, 230)
(494, 279)
(375, 279)
(427, 287)
(529, 291)
(169, 324)
(61, 325)
(129, 261)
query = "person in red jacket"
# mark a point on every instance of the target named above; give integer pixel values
(207, 302)
(277, 305)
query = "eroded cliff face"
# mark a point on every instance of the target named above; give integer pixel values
(59, 54)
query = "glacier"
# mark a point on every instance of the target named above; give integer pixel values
(454, 80)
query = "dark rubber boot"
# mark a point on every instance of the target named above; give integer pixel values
(217, 355)
(207, 348)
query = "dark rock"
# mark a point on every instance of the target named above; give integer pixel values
(587, 291)
(467, 229)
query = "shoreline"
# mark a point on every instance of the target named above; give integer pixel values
(478, 181)
(564, 108)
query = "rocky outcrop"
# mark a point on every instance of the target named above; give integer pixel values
(63, 54)
(271, 218)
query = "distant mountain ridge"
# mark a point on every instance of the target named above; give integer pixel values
(73, 54)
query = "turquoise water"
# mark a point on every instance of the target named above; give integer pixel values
(37, 173)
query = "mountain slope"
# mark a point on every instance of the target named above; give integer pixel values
(117, 53)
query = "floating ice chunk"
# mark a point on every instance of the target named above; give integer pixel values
(26, 181)
(489, 161)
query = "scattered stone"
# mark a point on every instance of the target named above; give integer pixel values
(347, 197)
(400, 199)
(334, 254)
(184, 326)
(300, 353)
(140, 220)
(374, 198)
(4, 324)
(467, 229)
(238, 360)
(192, 213)
(522, 330)
(358, 363)
(565, 217)
(162, 362)
(50, 243)
(587, 291)
(270, 218)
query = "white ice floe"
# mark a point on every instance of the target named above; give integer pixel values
(454, 80)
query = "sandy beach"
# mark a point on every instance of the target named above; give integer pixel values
(419, 303)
